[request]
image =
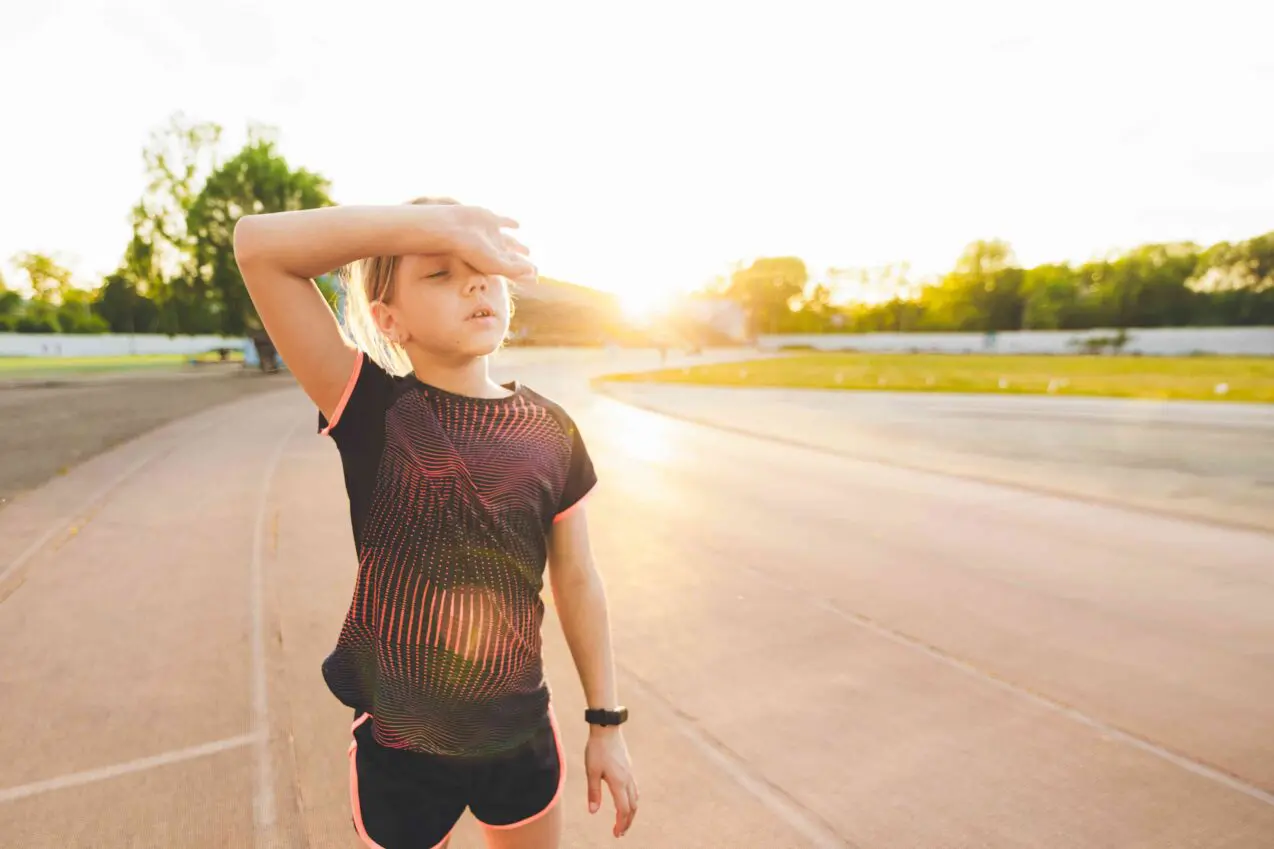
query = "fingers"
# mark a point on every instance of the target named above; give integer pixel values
(490, 251)
(520, 269)
(624, 809)
(507, 260)
(632, 803)
(486, 217)
(594, 791)
(513, 245)
(520, 272)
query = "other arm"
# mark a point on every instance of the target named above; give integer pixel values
(580, 598)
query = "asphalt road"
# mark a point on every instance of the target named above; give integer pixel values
(817, 650)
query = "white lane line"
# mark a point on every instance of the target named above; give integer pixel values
(263, 808)
(66, 520)
(75, 779)
(808, 823)
(1188, 764)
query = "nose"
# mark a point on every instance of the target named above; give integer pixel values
(475, 281)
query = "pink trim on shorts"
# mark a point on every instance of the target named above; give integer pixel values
(578, 504)
(353, 791)
(349, 390)
(561, 783)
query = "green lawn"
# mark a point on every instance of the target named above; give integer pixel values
(1159, 378)
(13, 368)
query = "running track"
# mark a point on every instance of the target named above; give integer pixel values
(817, 651)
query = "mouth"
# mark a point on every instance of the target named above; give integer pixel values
(481, 313)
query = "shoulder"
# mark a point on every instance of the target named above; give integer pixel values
(579, 475)
(368, 392)
(554, 409)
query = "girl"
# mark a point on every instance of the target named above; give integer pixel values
(460, 489)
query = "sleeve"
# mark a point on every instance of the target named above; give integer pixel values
(580, 476)
(360, 413)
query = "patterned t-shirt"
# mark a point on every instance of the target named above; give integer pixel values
(452, 499)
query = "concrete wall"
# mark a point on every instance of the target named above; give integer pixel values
(1161, 341)
(112, 344)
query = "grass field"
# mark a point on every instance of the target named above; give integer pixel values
(1159, 378)
(15, 368)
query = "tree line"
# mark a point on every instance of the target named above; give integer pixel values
(177, 273)
(1157, 285)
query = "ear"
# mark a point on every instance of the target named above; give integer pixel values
(387, 323)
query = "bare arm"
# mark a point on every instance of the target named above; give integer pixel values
(580, 598)
(279, 253)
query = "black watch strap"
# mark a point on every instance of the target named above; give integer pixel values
(601, 716)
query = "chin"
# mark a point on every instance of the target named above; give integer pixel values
(485, 342)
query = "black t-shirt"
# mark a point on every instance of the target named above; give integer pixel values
(451, 499)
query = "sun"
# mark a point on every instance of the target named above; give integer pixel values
(643, 305)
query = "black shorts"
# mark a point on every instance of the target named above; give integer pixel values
(404, 799)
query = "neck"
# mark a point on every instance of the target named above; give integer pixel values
(460, 375)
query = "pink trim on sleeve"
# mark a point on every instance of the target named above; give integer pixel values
(349, 390)
(578, 504)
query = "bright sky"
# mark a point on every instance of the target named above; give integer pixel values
(646, 146)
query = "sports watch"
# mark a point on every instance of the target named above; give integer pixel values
(601, 716)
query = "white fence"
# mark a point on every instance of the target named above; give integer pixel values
(1156, 341)
(110, 344)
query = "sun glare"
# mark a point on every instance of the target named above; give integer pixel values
(644, 305)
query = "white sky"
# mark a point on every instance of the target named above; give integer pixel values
(644, 146)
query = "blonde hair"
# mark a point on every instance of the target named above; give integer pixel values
(367, 281)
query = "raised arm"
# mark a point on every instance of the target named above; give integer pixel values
(279, 254)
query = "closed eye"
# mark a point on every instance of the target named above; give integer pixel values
(438, 275)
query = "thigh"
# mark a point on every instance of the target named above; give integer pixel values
(517, 799)
(401, 800)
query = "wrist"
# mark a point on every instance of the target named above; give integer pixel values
(428, 228)
(603, 732)
(607, 718)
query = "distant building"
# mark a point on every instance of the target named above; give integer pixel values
(720, 314)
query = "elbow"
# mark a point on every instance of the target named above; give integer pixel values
(577, 584)
(246, 240)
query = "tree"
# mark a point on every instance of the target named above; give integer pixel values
(38, 317)
(123, 308)
(177, 159)
(256, 180)
(767, 290)
(1051, 296)
(1237, 282)
(994, 282)
(49, 280)
(157, 260)
(1145, 287)
(76, 315)
(983, 292)
(10, 307)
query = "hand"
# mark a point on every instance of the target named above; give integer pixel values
(606, 759)
(477, 236)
